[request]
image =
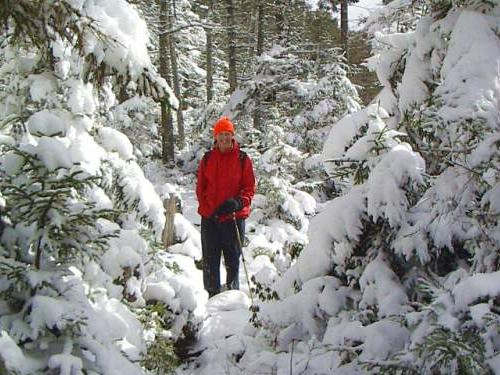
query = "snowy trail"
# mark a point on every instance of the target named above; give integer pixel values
(220, 319)
(221, 337)
(225, 317)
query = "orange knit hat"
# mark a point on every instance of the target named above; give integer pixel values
(224, 124)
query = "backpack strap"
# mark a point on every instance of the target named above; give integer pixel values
(242, 156)
(205, 157)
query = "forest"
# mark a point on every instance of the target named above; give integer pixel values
(373, 242)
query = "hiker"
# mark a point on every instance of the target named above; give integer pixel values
(225, 188)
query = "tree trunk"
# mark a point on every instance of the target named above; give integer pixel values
(279, 23)
(210, 69)
(167, 134)
(260, 27)
(176, 82)
(344, 25)
(231, 42)
(167, 151)
(256, 115)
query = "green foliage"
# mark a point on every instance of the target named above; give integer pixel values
(274, 193)
(45, 201)
(440, 223)
(160, 358)
(29, 21)
(50, 226)
(263, 251)
(15, 271)
(254, 319)
(447, 352)
(397, 366)
(294, 249)
(264, 292)
(17, 286)
(59, 209)
(346, 168)
(443, 6)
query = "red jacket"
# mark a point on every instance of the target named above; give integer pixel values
(222, 175)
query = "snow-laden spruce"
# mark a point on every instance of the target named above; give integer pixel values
(405, 235)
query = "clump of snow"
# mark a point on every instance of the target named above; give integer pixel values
(339, 221)
(412, 88)
(399, 167)
(475, 287)
(99, 197)
(228, 301)
(47, 123)
(189, 237)
(379, 339)
(227, 315)
(53, 152)
(81, 97)
(13, 358)
(473, 45)
(303, 307)
(263, 270)
(12, 162)
(159, 291)
(51, 312)
(114, 140)
(175, 281)
(381, 288)
(343, 132)
(42, 86)
(112, 321)
(126, 250)
(66, 363)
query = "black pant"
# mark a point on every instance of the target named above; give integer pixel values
(217, 238)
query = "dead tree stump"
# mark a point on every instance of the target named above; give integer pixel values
(168, 236)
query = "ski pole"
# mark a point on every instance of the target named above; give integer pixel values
(243, 257)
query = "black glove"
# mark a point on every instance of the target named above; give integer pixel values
(229, 206)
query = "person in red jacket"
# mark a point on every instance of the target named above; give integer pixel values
(225, 187)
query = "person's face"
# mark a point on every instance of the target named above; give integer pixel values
(224, 140)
